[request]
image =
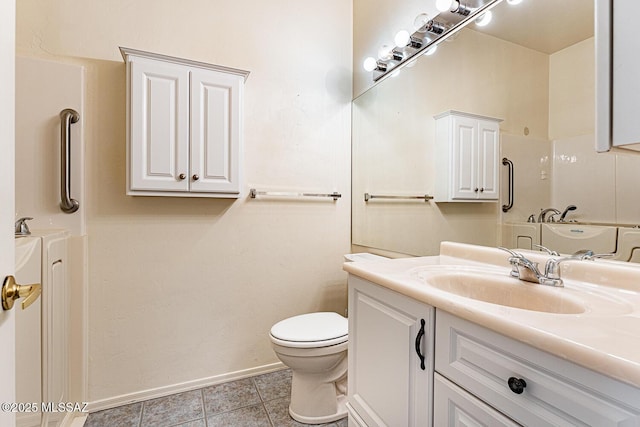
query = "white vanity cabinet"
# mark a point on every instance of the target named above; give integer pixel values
(466, 155)
(184, 127)
(531, 387)
(388, 383)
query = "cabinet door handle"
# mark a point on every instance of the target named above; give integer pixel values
(182, 176)
(196, 177)
(476, 190)
(516, 385)
(482, 190)
(418, 342)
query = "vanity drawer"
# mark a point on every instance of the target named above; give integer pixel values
(553, 391)
(452, 406)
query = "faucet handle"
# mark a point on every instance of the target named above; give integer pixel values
(547, 250)
(21, 227)
(593, 256)
(511, 252)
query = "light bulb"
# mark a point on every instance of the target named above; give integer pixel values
(484, 19)
(431, 50)
(402, 38)
(420, 23)
(384, 53)
(447, 5)
(370, 64)
(514, 1)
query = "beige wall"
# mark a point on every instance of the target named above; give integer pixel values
(572, 91)
(185, 290)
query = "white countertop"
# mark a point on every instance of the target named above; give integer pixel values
(605, 337)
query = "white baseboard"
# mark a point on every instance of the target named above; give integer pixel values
(139, 396)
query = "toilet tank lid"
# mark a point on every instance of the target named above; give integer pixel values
(311, 327)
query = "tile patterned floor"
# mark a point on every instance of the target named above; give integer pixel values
(258, 401)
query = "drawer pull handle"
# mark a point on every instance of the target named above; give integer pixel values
(418, 342)
(517, 385)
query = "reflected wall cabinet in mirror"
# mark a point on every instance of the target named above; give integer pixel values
(617, 70)
(467, 147)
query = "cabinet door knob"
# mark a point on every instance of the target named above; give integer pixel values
(182, 176)
(516, 385)
(195, 177)
(482, 190)
(476, 190)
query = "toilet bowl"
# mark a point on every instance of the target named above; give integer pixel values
(314, 346)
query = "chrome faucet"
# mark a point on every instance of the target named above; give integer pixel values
(523, 268)
(21, 227)
(543, 213)
(566, 211)
(527, 270)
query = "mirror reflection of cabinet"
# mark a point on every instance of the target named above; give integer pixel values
(467, 148)
(617, 68)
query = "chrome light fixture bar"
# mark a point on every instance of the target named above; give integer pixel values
(417, 44)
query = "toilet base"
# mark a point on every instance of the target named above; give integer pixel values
(340, 413)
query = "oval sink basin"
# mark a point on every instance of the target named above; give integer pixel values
(503, 290)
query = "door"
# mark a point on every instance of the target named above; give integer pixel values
(464, 167)
(7, 209)
(159, 126)
(388, 383)
(488, 149)
(215, 131)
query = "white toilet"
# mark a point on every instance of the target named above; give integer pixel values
(314, 346)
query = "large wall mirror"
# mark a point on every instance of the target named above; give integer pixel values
(533, 68)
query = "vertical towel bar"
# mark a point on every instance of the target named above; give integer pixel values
(67, 204)
(509, 164)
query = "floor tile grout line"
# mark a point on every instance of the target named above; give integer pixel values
(141, 413)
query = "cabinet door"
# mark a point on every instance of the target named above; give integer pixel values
(387, 386)
(215, 131)
(488, 149)
(159, 126)
(464, 158)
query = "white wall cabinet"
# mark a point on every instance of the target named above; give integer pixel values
(467, 150)
(389, 385)
(617, 69)
(531, 387)
(184, 127)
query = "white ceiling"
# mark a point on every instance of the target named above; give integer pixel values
(543, 25)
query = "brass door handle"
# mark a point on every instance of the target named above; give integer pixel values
(11, 291)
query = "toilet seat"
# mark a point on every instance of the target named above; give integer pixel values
(311, 330)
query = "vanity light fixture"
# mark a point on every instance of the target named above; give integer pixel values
(428, 34)
(453, 6)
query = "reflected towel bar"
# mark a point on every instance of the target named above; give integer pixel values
(508, 163)
(253, 193)
(67, 204)
(368, 197)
